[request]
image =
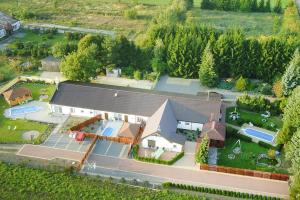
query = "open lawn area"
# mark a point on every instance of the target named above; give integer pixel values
(247, 159)
(253, 24)
(38, 89)
(20, 126)
(254, 118)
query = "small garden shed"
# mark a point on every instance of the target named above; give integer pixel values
(216, 132)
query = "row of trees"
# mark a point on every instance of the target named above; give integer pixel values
(242, 5)
(231, 53)
(94, 53)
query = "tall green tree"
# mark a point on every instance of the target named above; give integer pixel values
(80, 65)
(201, 155)
(277, 7)
(295, 186)
(207, 72)
(291, 118)
(293, 152)
(261, 6)
(291, 77)
(158, 62)
(268, 6)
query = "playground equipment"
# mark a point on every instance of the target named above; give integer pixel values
(237, 147)
(234, 115)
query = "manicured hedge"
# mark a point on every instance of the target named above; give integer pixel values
(242, 195)
(135, 151)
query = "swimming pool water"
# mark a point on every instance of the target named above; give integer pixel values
(259, 134)
(107, 132)
(23, 110)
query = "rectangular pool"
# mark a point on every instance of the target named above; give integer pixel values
(23, 110)
(258, 134)
(108, 131)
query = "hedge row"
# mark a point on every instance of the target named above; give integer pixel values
(153, 160)
(243, 195)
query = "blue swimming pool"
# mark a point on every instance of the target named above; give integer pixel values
(14, 112)
(258, 134)
(108, 131)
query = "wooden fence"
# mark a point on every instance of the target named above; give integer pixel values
(245, 172)
(116, 139)
(87, 153)
(80, 126)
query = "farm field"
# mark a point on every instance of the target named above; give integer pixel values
(40, 184)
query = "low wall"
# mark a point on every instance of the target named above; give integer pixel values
(87, 153)
(245, 172)
(116, 139)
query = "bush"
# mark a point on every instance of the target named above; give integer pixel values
(241, 84)
(255, 103)
(202, 151)
(277, 88)
(130, 14)
(137, 75)
(265, 89)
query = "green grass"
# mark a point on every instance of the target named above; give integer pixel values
(246, 159)
(254, 118)
(19, 182)
(22, 126)
(253, 24)
(36, 89)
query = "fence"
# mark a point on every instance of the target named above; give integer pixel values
(245, 172)
(116, 139)
(80, 126)
(87, 153)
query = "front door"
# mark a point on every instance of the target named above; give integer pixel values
(126, 118)
(106, 115)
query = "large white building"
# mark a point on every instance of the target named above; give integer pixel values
(162, 112)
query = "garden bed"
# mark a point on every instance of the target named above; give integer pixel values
(190, 134)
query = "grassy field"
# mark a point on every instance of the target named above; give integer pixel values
(30, 36)
(254, 118)
(246, 159)
(22, 126)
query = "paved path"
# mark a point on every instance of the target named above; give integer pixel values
(160, 173)
(63, 29)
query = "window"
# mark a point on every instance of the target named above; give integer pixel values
(57, 109)
(179, 122)
(151, 143)
(72, 110)
(82, 111)
(174, 146)
(187, 123)
(139, 119)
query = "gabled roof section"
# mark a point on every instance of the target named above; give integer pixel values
(129, 130)
(164, 123)
(16, 92)
(214, 130)
(190, 108)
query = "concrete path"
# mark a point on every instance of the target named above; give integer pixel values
(63, 29)
(160, 173)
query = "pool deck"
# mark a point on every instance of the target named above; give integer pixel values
(274, 134)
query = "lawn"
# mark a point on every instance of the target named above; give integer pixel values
(255, 118)
(246, 159)
(22, 126)
(253, 24)
(38, 88)
(30, 36)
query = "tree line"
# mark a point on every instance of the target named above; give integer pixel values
(242, 5)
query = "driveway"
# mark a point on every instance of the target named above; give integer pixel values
(188, 160)
(128, 168)
(110, 149)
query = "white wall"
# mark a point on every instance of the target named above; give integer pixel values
(189, 125)
(161, 142)
(2, 33)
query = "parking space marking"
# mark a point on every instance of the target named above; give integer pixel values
(58, 140)
(67, 146)
(108, 148)
(122, 151)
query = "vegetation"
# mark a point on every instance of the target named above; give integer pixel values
(34, 184)
(136, 156)
(241, 84)
(291, 77)
(247, 159)
(273, 123)
(240, 195)
(207, 74)
(201, 155)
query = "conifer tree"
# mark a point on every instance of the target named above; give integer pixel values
(277, 8)
(268, 6)
(207, 72)
(261, 6)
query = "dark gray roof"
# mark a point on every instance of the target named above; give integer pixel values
(135, 101)
(164, 123)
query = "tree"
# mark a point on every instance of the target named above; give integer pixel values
(206, 4)
(158, 62)
(295, 187)
(241, 84)
(207, 72)
(291, 117)
(137, 75)
(202, 151)
(254, 7)
(62, 49)
(80, 65)
(277, 7)
(291, 77)
(268, 6)
(293, 152)
(277, 89)
(261, 6)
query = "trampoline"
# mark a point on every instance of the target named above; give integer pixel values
(108, 131)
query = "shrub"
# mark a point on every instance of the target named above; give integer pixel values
(277, 88)
(202, 151)
(255, 103)
(137, 75)
(241, 84)
(130, 14)
(265, 89)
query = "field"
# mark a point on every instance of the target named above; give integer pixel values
(22, 126)
(19, 182)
